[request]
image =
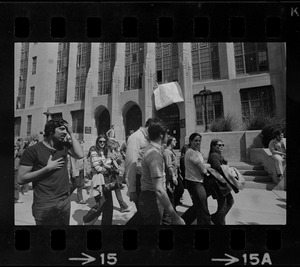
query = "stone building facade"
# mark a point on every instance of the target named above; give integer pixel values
(95, 85)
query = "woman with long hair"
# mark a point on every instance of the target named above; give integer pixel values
(102, 196)
(195, 172)
(221, 192)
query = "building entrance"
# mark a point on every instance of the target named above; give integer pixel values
(170, 115)
(133, 119)
(103, 122)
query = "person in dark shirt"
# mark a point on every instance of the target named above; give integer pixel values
(220, 192)
(45, 165)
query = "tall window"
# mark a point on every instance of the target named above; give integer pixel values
(205, 61)
(23, 76)
(251, 57)
(134, 59)
(62, 73)
(107, 54)
(77, 121)
(214, 107)
(31, 101)
(17, 126)
(82, 67)
(257, 99)
(34, 65)
(166, 62)
(29, 121)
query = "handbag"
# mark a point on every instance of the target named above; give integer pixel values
(234, 177)
(112, 178)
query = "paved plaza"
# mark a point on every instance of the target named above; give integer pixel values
(251, 207)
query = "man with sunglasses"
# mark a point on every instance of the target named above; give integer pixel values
(45, 165)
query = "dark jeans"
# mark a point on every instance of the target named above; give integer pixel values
(174, 198)
(137, 218)
(103, 204)
(199, 209)
(150, 208)
(119, 197)
(17, 186)
(52, 213)
(224, 205)
(77, 182)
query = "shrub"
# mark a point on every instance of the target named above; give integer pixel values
(226, 124)
(259, 119)
(268, 132)
(268, 122)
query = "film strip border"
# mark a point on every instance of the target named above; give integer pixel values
(129, 22)
(151, 245)
(119, 21)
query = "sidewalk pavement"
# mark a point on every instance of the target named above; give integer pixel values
(251, 207)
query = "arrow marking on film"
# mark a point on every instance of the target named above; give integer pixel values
(87, 260)
(229, 260)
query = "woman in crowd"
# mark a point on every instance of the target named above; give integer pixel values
(103, 197)
(195, 172)
(113, 153)
(153, 199)
(173, 180)
(277, 147)
(219, 191)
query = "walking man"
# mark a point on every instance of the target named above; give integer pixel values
(136, 145)
(45, 165)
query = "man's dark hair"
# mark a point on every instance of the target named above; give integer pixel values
(156, 128)
(52, 124)
(148, 122)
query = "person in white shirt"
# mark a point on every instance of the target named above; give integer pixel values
(277, 147)
(136, 145)
(195, 171)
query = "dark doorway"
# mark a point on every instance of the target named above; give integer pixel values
(103, 123)
(133, 119)
(170, 115)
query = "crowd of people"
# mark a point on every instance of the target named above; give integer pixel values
(146, 163)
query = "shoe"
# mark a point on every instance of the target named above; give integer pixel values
(81, 202)
(18, 201)
(126, 210)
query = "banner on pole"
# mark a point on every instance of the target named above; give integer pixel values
(167, 94)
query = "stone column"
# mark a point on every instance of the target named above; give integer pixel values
(117, 87)
(187, 109)
(91, 89)
(227, 61)
(149, 80)
(72, 73)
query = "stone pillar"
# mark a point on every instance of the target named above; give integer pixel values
(117, 87)
(187, 109)
(72, 73)
(227, 61)
(91, 89)
(149, 80)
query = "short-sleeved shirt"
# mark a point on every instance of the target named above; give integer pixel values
(51, 185)
(152, 166)
(191, 159)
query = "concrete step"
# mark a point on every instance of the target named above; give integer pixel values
(253, 172)
(261, 179)
(260, 185)
(246, 166)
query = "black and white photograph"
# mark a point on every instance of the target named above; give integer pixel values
(186, 133)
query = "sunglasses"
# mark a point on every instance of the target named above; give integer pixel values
(220, 145)
(101, 141)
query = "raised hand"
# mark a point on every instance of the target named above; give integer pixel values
(55, 164)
